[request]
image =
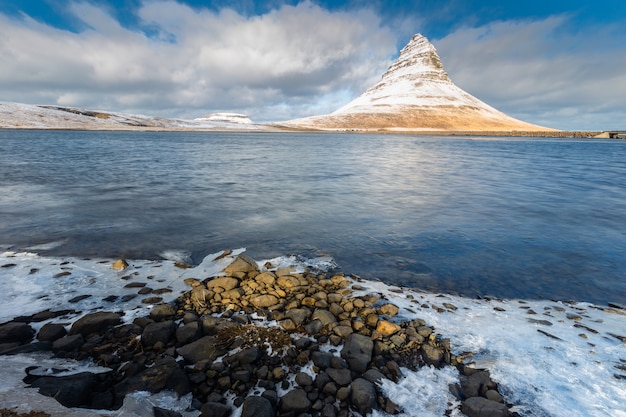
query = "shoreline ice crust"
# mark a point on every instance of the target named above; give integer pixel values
(550, 358)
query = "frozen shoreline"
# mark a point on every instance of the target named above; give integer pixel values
(553, 358)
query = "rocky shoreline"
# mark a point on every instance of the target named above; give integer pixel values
(268, 340)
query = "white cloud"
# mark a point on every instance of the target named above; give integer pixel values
(546, 71)
(195, 60)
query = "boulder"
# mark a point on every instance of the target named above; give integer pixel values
(15, 332)
(295, 401)
(387, 328)
(325, 316)
(388, 310)
(188, 333)
(165, 374)
(94, 323)
(363, 395)
(482, 407)
(298, 315)
(68, 343)
(162, 312)
(227, 283)
(50, 332)
(214, 409)
(357, 351)
(158, 332)
(257, 407)
(340, 376)
(71, 390)
(477, 384)
(202, 349)
(263, 301)
(242, 263)
(432, 355)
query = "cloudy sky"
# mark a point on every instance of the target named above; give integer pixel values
(558, 63)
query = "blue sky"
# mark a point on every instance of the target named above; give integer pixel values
(556, 63)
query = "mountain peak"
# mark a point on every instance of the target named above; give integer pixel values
(416, 94)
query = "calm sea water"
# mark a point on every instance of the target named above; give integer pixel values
(522, 218)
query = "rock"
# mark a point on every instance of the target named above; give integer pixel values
(303, 379)
(321, 359)
(295, 401)
(494, 395)
(94, 323)
(214, 409)
(363, 395)
(225, 283)
(242, 263)
(343, 331)
(477, 384)
(267, 278)
(203, 348)
(158, 332)
(387, 328)
(314, 327)
(257, 407)
(482, 407)
(340, 376)
(263, 301)
(298, 315)
(247, 356)
(325, 316)
(119, 265)
(287, 282)
(14, 332)
(165, 374)
(432, 355)
(188, 333)
(71, 391)
(68, 343)
(357, 351)
(374, 376)
(388, 310)
(162, 312)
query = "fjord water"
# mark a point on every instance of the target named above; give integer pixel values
(508, 217)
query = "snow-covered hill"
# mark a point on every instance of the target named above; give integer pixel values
(27, 116)
(415, 93)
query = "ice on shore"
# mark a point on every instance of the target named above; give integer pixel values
(550, 358)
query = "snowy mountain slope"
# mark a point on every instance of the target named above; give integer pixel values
(415, 93)
(26, 116)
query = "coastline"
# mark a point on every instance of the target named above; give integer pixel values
(396, 306)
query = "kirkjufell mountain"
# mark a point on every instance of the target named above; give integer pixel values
(416, 94)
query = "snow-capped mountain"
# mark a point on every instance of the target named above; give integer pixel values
(28, 116)
(415, 93)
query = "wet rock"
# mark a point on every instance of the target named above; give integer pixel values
(432, 355)
(357, 351)
(482, 407)
(119, 265)
(476, 384)
(215, 409)
(94, 323)
(388, 310)
(68, 343)
(14, 332)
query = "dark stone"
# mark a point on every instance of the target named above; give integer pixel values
(68, 343)
(477, 384)
(14, 332)
(328, 411)
(314, 327)
(158, 332)
(71, 391)
(215, 409)
(374, 376)
(50, 332)
(248, 355)
(482, 407)
(188, 333)
(303, 379)
(295, 401)
(257, 407)
(321, 359)
(165, 374)
(94, 323)
(202, 349)
(363, 395)
(357, 350)
(340, 376)
(271, 396)
(15, 348)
